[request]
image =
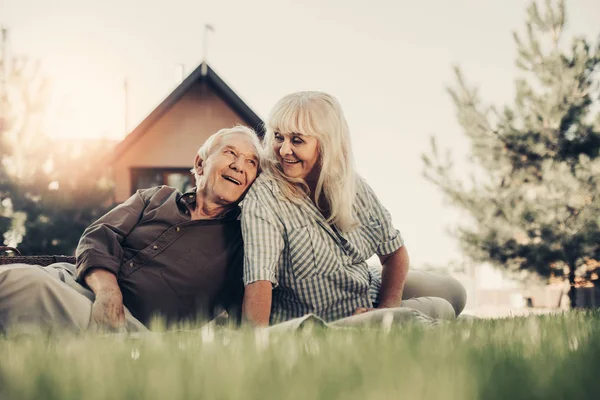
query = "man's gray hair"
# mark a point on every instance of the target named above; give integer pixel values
(214, 139)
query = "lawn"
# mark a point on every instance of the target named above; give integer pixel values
(543, 357)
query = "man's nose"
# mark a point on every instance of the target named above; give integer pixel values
(285, 148)
(238, 164)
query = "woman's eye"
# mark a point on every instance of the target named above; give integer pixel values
(297, 140)
(252, 162)
(230, 152)
(278, 138)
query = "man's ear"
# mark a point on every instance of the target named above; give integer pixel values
(198, 165)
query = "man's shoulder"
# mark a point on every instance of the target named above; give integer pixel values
(159, 192)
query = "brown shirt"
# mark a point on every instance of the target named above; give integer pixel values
(165, 263)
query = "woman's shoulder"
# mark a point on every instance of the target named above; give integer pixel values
(365, 195)
(363, 190)
(264, 187)
(264, 182)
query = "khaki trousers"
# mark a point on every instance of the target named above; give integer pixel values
(47, 299)
(434, 294)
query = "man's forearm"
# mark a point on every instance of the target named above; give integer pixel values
(257, 303)
(102, 281)
(107, 310)
(395, 270)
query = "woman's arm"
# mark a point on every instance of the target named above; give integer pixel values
(257, 303)
(264, 241)
(390, 250)
(393, 277)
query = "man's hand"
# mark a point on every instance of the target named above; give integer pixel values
(108, 311)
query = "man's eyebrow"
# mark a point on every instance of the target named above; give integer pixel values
(230, 147)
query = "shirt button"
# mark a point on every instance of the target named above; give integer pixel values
(131, 264)
(155, 247)
(177, 229)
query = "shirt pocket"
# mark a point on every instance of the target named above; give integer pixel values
(309, 254)
(301, 253)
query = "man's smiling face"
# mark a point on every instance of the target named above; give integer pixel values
(229, 170)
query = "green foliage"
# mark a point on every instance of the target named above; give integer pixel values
(534, 195)
(550, 357)
(50, 190)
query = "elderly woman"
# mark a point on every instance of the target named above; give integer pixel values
(310, 223)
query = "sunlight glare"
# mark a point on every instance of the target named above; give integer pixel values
(83, 107)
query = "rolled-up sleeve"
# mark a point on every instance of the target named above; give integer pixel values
(390, 237)
(263, 241)
(100, 244)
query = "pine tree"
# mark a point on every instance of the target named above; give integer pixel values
(534, 192)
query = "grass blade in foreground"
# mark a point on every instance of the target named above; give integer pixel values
(522, 358)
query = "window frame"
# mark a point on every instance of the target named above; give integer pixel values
(136, 172)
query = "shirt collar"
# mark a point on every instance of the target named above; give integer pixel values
(187, 201)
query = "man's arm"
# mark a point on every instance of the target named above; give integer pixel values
(99, 255)
(107, 309)
(395, 270)
(257, 303)
(100, 244)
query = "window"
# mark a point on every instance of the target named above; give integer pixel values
(179, 178)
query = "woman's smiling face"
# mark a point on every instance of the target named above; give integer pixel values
(298, 155)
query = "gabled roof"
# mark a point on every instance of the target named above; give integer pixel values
(203, 73)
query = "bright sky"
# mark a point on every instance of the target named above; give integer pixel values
(388, 62)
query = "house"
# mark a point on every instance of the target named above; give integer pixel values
(160, 150)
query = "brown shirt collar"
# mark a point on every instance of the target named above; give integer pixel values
(187, 201)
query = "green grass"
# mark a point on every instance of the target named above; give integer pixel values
(545, 357)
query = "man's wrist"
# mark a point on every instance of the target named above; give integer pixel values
(109, 291)
(102, 282)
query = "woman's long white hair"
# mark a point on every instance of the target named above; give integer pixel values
(320, 115)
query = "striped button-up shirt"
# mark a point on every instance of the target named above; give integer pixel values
(314, 268)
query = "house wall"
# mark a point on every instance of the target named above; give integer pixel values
(172, 142)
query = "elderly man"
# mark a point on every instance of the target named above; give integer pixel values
(160, 253)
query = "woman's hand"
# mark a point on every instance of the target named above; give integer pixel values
(362, 310)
